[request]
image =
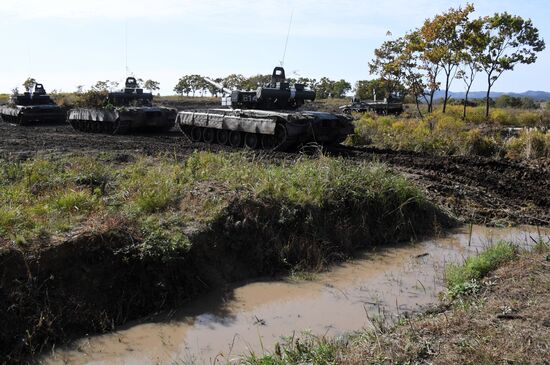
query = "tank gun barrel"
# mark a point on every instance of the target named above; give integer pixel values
(218, 85)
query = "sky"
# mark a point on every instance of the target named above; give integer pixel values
(65, 43)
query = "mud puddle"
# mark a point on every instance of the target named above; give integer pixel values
(225, 324)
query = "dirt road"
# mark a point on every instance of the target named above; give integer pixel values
(472, 188)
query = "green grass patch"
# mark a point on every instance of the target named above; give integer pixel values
(159, 196)
(461, 279)
(297, 351)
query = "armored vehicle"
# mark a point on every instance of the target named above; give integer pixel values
(126, 111)
(266, 118)
(32, 107)
(390, 106)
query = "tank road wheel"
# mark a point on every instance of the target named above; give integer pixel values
(186, 130)
(251, 140)
(235, 139)
(222, 136)
(209, 135)
(269, 141)
(196, 134)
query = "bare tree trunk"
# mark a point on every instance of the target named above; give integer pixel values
(487, 104)
(418, 106)
(466, 101)
(431, 102)
(446, 92)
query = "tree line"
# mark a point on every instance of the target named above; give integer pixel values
(324, 87)
(452, 46)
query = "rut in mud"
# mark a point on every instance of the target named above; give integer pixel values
(474, 189)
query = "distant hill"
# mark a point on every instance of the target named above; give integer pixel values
(537, 95)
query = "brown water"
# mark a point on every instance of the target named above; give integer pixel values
(220, 326)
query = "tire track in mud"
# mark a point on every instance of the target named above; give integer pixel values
(475, 189)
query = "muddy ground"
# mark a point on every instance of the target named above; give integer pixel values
(474, 189)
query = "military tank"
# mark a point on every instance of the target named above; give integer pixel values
(389, 106)
(32, 107)
(266, 118)
(122, 112)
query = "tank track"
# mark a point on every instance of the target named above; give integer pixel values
(12, 119)
(277, 142)
(92, 126)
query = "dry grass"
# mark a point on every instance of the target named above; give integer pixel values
(507, 322)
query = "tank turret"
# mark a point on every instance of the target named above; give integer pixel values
(277, 95)
(131, 95)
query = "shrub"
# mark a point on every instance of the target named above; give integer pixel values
(479, 145)
(529, 119)
(500, 116)
(529, 144)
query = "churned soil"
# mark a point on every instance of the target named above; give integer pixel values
(474, 189)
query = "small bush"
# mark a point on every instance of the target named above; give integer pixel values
(74, 202)
(529, 144)
(476, 267)
(529, 119)
(500, 116)
(479, 145)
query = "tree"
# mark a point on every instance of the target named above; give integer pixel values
(101, 86)
(507, 40)
(469, 57)
(324, 88)
(212, 89)
(151, 85)
(443, 38)
(79, 89)
(421, 53)
(28, 84)
(200, 84)
(234, 81)
(397, 63)
(308, 82)
(183, 87)
(340, 88)
(253, 82)
(365, 89)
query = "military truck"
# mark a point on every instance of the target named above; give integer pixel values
(32, 107)
(122, 112)
(267, 117)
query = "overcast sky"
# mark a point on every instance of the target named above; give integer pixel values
(65, 43)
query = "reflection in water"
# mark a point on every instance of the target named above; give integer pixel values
(221, 325)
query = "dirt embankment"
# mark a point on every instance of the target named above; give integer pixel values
(98, 280)
(475, 189)
(506, 322)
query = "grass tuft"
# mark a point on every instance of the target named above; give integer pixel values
(463, 277)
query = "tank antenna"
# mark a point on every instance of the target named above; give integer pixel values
(287, 35)
(126, 46)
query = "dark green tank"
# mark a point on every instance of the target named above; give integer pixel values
(34, 107)
(126, 111)
(268, 118)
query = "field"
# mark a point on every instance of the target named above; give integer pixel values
(97, 230)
